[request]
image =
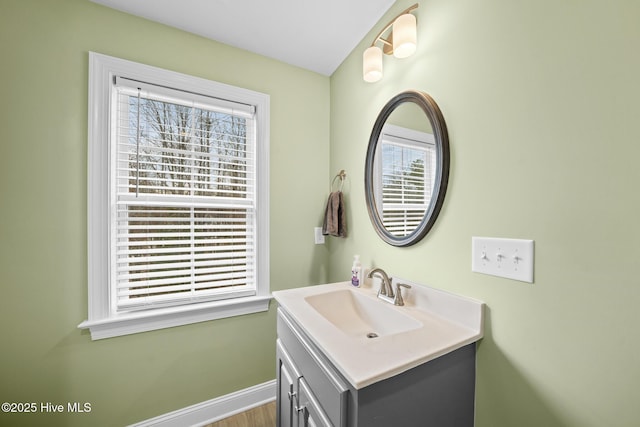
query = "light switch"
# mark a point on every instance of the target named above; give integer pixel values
(509, 258)
(318, 236)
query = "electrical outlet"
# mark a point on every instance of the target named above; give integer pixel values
(319, 237)
(510, 258)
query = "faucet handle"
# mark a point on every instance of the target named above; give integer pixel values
(398, 299)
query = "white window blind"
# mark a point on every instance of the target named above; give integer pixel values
(407, 170)
(183, 197)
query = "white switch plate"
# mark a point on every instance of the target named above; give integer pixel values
(510, 258)
(319, 237)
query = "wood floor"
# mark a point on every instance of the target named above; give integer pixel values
(262, 416)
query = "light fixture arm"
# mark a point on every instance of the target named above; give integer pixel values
(389, 42)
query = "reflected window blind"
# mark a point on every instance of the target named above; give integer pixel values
(406, 184)
(184, 197)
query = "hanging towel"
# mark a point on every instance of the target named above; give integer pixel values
(335, 217)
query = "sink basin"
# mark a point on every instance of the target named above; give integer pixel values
(338, 319)
(360, 315)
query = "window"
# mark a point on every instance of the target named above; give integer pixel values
(178, 199)
(406, 161)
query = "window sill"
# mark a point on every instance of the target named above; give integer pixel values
(133, 323)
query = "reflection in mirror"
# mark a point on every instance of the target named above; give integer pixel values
(404, 169)
(407, 168)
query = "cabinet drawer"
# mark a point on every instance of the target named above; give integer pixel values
(326, 386)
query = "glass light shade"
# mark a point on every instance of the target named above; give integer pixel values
(372, 64)
(404, 36)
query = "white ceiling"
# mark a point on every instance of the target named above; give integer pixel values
(313, 34)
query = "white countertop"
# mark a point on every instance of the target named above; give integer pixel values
(448, 322)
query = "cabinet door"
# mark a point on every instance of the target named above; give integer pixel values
(287, 394)
(329, 390)
(309, 412)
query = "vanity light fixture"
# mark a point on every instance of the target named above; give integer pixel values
(401, 41)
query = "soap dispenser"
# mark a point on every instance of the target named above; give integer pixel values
(356, 271)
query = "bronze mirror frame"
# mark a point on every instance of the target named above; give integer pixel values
(439, 128)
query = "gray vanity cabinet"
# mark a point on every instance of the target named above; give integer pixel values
(312, 393)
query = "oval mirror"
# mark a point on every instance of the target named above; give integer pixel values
(407, 168)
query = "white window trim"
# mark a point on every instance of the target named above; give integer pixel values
(101, 322)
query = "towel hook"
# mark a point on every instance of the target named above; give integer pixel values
(342, 175)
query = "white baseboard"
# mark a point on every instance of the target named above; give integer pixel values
(215, 409)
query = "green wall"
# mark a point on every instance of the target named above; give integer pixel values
(44, 49)
(541, 102)
(540, 99)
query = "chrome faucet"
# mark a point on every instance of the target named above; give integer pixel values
(386, 289)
